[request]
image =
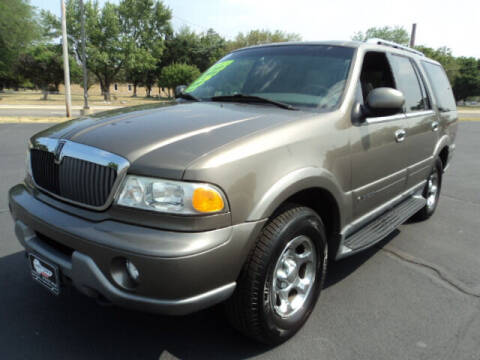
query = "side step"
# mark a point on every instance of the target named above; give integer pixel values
(385, 223)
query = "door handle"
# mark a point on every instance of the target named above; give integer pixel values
(434, 125)
(400, 135)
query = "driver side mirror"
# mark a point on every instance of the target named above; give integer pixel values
(385, 101)
(179, 90)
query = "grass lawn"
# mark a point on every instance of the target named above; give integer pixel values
(36, 98)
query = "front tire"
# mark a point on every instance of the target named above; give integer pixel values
(282, 278)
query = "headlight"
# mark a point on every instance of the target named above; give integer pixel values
(176, 197)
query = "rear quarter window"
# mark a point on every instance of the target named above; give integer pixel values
(441, 86)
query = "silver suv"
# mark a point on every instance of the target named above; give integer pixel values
(277, 159)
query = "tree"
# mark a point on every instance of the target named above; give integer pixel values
(148, 23)
(77, 77)
(18, 29)
(105, 45)
(118, 35)
(201, 50)
(179, 47)
(396, 34)
(467, 82)
(444, 56)
(177, 74)
(138, 65)
(211, 47)
(256, 37)
(43, 66)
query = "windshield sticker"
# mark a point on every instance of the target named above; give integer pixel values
(207, 75)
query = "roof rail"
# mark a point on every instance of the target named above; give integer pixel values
(394, 45)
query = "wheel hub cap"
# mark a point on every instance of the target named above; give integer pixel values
(432, 190)
(293, 276)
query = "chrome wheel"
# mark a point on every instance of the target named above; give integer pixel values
(293, 276)
(432, 190)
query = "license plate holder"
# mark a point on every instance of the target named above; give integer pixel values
(46, 273)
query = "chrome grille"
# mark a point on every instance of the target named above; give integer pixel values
(77, 173)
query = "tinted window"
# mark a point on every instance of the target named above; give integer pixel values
(376, 73)
(421, 80)
(407, 83)
(301, 75)
(441, 86)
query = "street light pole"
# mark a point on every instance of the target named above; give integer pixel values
(412, 35)
(66, 68)
(84, 62)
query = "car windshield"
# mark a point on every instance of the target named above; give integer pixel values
(303, 76)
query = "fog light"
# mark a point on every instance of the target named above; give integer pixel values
(132, 270)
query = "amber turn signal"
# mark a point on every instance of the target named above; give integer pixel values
(207, 200)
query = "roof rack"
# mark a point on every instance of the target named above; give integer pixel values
(394, 45)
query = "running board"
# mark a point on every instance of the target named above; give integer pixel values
(379, 228)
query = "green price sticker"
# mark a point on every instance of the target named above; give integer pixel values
(207, 75)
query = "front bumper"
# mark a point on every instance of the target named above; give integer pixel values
(180, 272)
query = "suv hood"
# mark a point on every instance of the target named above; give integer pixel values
(161, 140)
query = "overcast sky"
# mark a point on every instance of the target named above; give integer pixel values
(455, 24)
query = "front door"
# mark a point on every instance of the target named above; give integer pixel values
(379, 155)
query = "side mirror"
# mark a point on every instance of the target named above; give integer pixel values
(385, 101)
(179, 90)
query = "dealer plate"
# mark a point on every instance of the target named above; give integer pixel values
(45, 273)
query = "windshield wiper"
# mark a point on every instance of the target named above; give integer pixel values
(252, 98)
(188, 96)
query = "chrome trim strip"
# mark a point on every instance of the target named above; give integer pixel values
(420, 113)
(382, 119)
(395, 175)
(420, 166)
(392, 44)
(378, 191)
(422, 162)
(86, 153)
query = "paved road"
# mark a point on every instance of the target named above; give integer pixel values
(470, 113)
(415, 296)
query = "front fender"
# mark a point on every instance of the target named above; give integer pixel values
(294, 182)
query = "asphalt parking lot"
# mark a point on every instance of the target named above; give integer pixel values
(414, 296)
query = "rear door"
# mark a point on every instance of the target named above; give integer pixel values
(422, 124)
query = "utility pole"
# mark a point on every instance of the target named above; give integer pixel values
(84, 62)
(66, 67)
(412, 35)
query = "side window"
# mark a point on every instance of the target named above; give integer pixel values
(440, 85)
(421, 80)
(376, 73)
(408, 84)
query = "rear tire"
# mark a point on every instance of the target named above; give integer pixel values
(431, 192)
(282, 277)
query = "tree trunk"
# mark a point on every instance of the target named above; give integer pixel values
(45, 93)
(149, 90)
(106, 92)
(134, 90)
